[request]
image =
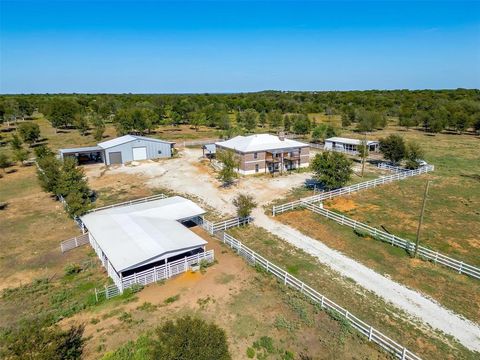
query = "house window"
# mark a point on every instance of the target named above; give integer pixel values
(255, 155)
(256, 167)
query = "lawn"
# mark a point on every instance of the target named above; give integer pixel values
(365, 305)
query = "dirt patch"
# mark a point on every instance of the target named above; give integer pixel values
(342, 204)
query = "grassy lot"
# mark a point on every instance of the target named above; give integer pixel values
(452, 216)
(367, 306)
(457, 292)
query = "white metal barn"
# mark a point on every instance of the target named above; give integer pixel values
(348, 145)
(121, 150)
(132, 239)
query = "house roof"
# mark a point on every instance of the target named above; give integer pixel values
(349, 141)
(126, 139)
(138, 234)
(259, 142)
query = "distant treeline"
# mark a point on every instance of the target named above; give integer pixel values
(434, 110)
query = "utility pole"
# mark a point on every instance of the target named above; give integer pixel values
(420, 221)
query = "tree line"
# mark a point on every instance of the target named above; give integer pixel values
(433, 110)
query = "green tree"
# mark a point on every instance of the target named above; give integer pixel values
(393, 148)
(229, 164)
(81, 123)
(413, 154)
(301, 124)
(224, 121)
(332, 169)
(190, 339)
(287, 122)
(245, 204)
(250, 119)
(4, 162)
(262, 119)
(49, 173)
(20, 155)
(370, 120)
(197, 118)
(322, 132)
(30, 132)
(98, 127)
(275, 119)
(16, 142)
(11, 110)
(62, 111)
(42, 151)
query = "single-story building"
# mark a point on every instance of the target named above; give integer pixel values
(133, 238)
(266, 153)
(209, 150)
(348, 145)
(121, 150)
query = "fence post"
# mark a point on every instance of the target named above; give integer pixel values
(76, 242)
(285, 278)
(461, 267)
(96, 295)
(186, 264)
(321, 302)
(370, 333)
(106, 292)
(404, 353)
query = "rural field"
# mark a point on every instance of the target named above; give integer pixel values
(259, 315)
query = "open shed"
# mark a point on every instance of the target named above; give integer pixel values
(133, 238)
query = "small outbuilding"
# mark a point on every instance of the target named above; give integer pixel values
(121, 150)
(348, 145)
(133, 238)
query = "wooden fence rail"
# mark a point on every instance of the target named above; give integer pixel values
(277, 209)
(394, 240)
(212, 228)
(368, 331)
(74, 242)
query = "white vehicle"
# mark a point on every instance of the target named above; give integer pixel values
(421, 162)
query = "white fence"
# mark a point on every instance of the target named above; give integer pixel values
(168, 270)
(74, 242)
(368, 331)
(132, 202)
(157, 273)
(395, 169)
(424, 252)
(212, 228)
(350, 189)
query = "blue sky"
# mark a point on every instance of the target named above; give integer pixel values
(214, 46)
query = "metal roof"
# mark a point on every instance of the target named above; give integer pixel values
(259, 142)
(349, 141)
(126, 139)
(211, 148)
(81, 149)
(139, 234)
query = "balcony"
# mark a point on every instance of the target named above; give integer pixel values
(293, 156)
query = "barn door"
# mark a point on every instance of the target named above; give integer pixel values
(115, 158)
(139, 153)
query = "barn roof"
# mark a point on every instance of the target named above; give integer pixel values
(259, 142)
(126, 139)
(138, 234)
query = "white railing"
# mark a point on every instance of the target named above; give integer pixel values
(74, 242)
(212, 228)
(368, 331)
(395, 169)
(424, 252)
(168, 270)
(155, 274)
(131, 202)
(350, 189)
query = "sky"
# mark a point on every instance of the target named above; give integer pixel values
(237, 46)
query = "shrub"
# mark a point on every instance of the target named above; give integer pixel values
(171, 299)
(190, 339)
(71, 269)
(250, 353)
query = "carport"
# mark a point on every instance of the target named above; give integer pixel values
(85, 155)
